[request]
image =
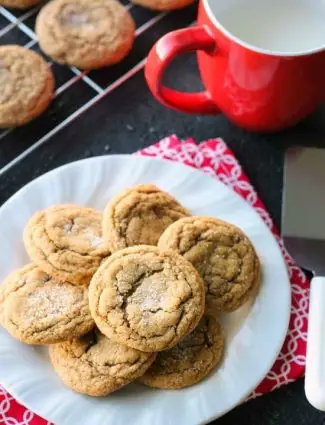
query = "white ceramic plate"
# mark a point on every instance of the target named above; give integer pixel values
(254, 334)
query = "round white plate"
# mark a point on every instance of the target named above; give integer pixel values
(254, 334)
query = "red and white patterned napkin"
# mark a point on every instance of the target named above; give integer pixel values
(216, 159)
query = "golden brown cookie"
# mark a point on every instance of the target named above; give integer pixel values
(27, 85)
(97, 366)
(66, 241)
(222, 254)
(86, 34)
(162, 5)
(19, 4)
(146, 298)
(37, 309)
(191, 360)
(138, 216)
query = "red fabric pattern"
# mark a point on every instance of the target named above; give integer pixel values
(216, 159)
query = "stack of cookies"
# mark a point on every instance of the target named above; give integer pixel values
(130, 294)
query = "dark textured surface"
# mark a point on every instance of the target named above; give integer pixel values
(129, 119)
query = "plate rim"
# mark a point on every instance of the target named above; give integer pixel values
(104, 158)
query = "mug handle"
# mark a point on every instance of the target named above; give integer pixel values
(160, 56)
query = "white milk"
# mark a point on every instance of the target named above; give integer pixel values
(284, 26)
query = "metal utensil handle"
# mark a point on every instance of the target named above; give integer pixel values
(315, 361)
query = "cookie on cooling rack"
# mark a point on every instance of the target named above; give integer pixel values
(27, 85)
(19, 4)
(86, 34)
(161, 5)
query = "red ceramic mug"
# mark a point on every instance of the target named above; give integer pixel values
(260, 84)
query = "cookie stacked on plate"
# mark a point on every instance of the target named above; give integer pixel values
(133, 293)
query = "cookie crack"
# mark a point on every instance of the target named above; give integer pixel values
(205, 333)
(131, 292)
(183, 311)
(57, 249)
(60, 322)
(135, 286)
(225, 281)
(169, 205)
(95, 367)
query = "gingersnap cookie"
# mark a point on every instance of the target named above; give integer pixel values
(163, 5)
(66, 241)
(97, 366)
(222, 254)
(19, 4)
(138, 216)
(146, 298)
(191, 360)
(37, 309)
(27, 85)
(86, 34)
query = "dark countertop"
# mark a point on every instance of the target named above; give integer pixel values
(129, 119)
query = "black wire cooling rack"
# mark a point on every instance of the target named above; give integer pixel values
(77, 91)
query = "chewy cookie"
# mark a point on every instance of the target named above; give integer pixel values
(161, 5)
(191, 360)
(86, 34)
(146, 298)
(27, 85)
(37, 309)
(138, 216)
(19, 4)
(66, 241)
(222, 254)
(97, 366)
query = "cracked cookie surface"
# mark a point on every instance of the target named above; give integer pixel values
(86, 34)
(97, 366)
(26, 85)
(162, 5)
(139, 215)
(66, 241)
(223, 255)
(191, 360)
(36, 309)
(146, 298)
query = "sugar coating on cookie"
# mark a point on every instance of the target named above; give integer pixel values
(19, 4)
(37, 309)
(162, 5)
(26, 85)
(139, 215)
(222, 254)
(191, 360)
(146, 298)
(97, 366)
(85, 34)
(66, 241)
